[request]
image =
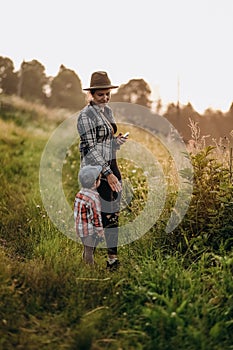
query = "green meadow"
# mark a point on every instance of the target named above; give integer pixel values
(172, 290)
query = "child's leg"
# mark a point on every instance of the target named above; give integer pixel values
(89, 247)
(88, 254)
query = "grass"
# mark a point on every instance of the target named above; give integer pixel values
(162, 297)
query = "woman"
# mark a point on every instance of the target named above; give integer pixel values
(98, 146)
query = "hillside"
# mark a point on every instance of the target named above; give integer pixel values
(172, 291)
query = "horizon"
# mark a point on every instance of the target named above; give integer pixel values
(154, 94)
(181, 49)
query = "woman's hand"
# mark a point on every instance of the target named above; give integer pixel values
(114, 183)
(120, 139)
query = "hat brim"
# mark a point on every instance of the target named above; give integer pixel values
(98, 87)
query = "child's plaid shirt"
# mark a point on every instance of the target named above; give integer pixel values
(87, 213)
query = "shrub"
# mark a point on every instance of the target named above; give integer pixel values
(208, 223)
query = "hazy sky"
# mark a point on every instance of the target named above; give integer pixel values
(161, 41)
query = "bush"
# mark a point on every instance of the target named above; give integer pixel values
(208, 223)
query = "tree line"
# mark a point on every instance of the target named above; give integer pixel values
(65, 91)
(31, 83)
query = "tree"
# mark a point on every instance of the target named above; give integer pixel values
(8, 78)
(32, 80)
(135, 91)
(179, 117)
(171, 110)
(231, 108)
(66, 90)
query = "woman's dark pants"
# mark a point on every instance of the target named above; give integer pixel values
(110, 207)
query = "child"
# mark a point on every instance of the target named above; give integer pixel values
(87, 211)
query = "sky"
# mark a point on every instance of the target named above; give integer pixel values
(181, 48)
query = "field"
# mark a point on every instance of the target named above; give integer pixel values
(174, 290)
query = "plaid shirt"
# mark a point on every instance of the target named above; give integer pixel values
(97, 143)
(87, 213)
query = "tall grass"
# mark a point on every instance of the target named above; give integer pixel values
(30, 114)
(170, 291)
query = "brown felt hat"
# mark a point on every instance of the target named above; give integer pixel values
(100, 80)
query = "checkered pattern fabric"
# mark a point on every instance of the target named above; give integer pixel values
(97, 142)
(87, 213)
